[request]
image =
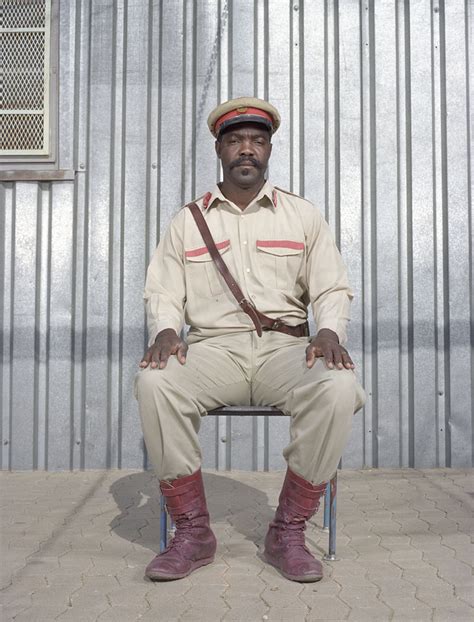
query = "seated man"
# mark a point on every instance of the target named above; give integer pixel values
(248, 344)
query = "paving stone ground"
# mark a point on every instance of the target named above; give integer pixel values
(74, 546)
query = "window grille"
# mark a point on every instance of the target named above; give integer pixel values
(24, 76)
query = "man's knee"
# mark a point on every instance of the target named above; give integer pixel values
(152, 382)
(337, 386)
(344, 390)
(144, 382)
(343, 381)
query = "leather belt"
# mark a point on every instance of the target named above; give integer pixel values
(261, 321)
(302, 330)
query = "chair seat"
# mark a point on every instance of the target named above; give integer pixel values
(248, 411)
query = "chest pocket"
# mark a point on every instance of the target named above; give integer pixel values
(204, 278)
(280, 262)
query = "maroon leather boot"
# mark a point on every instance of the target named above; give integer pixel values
(285, 543)
(194, 544)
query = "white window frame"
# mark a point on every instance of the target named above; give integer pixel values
(45, 160)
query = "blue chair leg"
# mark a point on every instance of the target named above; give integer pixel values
(163, 525)
(167, 526)
(327, 506)
(331, 554)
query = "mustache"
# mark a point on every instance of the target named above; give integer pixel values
(245, 160)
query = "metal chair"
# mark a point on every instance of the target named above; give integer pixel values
(329, 525)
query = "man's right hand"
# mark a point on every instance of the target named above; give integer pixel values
(166, 343)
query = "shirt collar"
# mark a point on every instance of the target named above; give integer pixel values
(266, 196)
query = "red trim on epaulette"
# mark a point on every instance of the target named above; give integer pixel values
(274, 198)
(206, 199)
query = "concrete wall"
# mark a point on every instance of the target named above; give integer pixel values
(374, 97)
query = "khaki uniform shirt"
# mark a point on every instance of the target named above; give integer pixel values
(279, 249)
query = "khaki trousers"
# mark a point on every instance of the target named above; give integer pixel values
(241, 369)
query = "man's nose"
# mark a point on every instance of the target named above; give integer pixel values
(246, 148)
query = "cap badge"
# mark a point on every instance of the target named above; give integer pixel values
(241, 110)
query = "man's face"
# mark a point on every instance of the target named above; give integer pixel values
(244, 151)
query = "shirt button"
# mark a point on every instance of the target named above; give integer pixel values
(245, 242)
(241, 215)
(248, 270)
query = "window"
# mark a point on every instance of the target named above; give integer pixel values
(27, 85)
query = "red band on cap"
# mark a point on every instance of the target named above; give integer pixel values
(255, 112)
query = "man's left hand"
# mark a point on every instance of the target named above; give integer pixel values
(326, 345)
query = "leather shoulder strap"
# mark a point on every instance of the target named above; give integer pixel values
(232, 284)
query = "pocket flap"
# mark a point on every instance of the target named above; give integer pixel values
(280, 247)
(202, 254)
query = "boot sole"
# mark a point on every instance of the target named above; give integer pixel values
(157, 576)
(310, 578)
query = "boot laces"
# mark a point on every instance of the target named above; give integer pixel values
(294, 534)
(185, 531)
(295, 537)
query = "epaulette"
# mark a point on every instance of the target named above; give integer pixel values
(290, 193)
(205, 200)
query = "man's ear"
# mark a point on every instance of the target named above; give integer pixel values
(217, 146)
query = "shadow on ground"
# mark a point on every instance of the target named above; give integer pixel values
(230, 503)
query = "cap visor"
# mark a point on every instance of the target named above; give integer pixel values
(246, 118)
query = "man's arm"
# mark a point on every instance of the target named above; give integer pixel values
(330, 296)
(165, 295)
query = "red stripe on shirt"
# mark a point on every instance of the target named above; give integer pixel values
(203, 249)
(299, 246)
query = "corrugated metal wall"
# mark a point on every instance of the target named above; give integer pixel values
(374, 96)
